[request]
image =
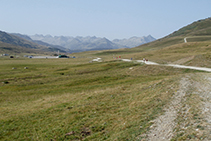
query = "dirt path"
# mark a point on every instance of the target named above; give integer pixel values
(171, 65)
(163, 126)
(188, 115)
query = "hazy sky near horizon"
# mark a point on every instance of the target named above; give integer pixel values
(102, 18)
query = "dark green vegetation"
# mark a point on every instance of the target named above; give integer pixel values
(72, 99)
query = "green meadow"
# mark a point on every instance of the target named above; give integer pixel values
(72, 99)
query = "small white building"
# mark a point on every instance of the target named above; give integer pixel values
(97, 60)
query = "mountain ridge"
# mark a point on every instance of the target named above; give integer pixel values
(22, 43)
(197, 28)
(92, 42)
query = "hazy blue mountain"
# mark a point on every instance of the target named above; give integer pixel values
(92, 43)
(134, 41)
(79, 43)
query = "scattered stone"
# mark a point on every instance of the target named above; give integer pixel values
(69, 107)
(85, 133)
(14, 68)
(197, 129)
(70, 133)
(5, 82)
(25, 67)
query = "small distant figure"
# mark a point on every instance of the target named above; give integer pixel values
(146, 59)
(131, 58)
(119, 56)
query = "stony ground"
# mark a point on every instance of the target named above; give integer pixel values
(188, 115)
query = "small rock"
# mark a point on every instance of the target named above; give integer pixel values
(71, 133)
(69, 107)
(14, 68)
(197, 129)
(25, 67)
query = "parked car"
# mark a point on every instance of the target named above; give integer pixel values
(63, 56)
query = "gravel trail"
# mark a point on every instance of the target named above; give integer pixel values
(163, 126)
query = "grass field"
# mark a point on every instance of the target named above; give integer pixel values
(72, 99)
(111, 100)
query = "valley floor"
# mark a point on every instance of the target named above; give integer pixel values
(188, 115)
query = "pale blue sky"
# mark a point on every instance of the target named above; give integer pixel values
(102, 18)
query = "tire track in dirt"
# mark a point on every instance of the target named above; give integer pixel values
(194, 122)
(162, 129)
(203, 87)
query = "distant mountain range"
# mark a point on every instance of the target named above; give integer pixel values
(39, 43)
(91, 43)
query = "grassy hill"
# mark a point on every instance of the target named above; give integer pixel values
(73, 99)
(198, 28)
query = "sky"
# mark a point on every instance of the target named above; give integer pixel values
(112, 19)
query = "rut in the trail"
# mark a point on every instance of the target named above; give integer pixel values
(194, 119)
(163, 126)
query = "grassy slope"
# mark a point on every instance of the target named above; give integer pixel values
(13, 49)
